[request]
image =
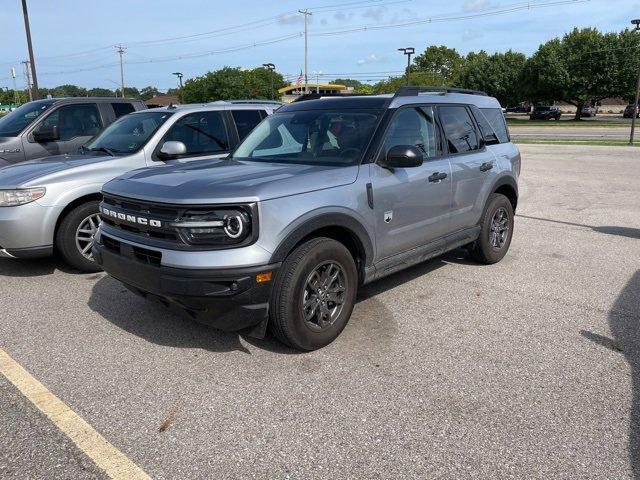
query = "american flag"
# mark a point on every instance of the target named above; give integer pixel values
(299, 80)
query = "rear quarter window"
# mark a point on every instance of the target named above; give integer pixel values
(121, 109)
(497, 122)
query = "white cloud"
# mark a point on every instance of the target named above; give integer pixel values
(290, 18)
(470, 35)
(376, 13)
(373, 58)
(474, 5)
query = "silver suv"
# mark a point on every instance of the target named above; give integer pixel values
(323, 196)
(53, 202)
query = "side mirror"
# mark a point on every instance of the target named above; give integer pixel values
(48, 133)
(172, 149)
(403, 156)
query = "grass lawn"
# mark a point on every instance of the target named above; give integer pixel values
(525, 122)
(550, 141)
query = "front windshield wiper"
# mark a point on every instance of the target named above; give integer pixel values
(102, 149)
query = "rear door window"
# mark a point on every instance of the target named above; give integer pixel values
(202, 133)
(490, 137)
(245, 121)
(79, 120)
(496, 118)
(121, 109)
(459, 129)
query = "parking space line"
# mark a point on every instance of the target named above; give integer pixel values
(107, 457)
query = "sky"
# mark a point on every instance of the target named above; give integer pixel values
(74, 40)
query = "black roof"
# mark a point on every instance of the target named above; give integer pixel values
(338, 102)
(88, 99)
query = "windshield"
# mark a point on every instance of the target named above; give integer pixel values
(14, 122)
(130, 133)
(319, 137)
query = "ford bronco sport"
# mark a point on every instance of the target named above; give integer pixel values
(323, 196)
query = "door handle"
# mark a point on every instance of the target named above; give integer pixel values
(437, 177)
(486, 166)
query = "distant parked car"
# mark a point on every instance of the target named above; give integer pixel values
(588, 111)
(520, 108)
(57, 126)
(628, 111)
(545, 113)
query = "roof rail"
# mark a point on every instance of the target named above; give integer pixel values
(316, 96)
(411, 91)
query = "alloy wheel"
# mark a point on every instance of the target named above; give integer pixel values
(85, 234)
(499, 228)
(324, 295)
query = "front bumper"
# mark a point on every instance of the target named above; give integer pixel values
(26, 231)
(227, 299)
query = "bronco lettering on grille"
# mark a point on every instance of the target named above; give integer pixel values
(130, 218)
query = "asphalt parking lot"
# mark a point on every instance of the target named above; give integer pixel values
(526, 369)
(558, 131)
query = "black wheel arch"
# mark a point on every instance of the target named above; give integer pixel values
(339, 226)
(507, 186)
(78, 201)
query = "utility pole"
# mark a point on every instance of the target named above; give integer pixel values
(635, 105)
(408, 51)
(27, 77)
(271, 67)
(306, 14)
(30, 47)
(120, 49)
(16, 100)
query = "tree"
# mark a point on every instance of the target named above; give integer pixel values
(66, 91)
(148, 92)
(442, 62)
(357, 85)
(129, 92)
(500, 75)
(100, 92)
(231, 83)
(392, 84)
(579, 68)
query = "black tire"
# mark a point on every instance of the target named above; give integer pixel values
(66, 237)
(286, 316)
(483, 251)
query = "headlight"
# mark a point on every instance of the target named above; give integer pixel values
(222, 226)
(12, 198)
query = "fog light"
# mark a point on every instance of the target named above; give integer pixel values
(264, 277)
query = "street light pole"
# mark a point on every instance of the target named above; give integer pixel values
(271, 67)
(408, 51)
(32, 61)
(635, 104)
(179, 75)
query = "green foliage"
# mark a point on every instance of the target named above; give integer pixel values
(442, 62)
(129, 92)
(582, 67)
(392, 84)
(148, 92)
(100, 92)
(231, 83)
(357, 85)
(500, 75)
(8, 96)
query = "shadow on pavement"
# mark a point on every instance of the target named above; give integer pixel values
(27, 268)
(624, 321)
(371, 321)
(628, 232)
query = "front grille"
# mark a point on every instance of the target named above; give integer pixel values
(151, 224)
(150, 257)
(111, 244)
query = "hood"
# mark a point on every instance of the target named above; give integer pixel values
(20, 174)
(227, 180)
